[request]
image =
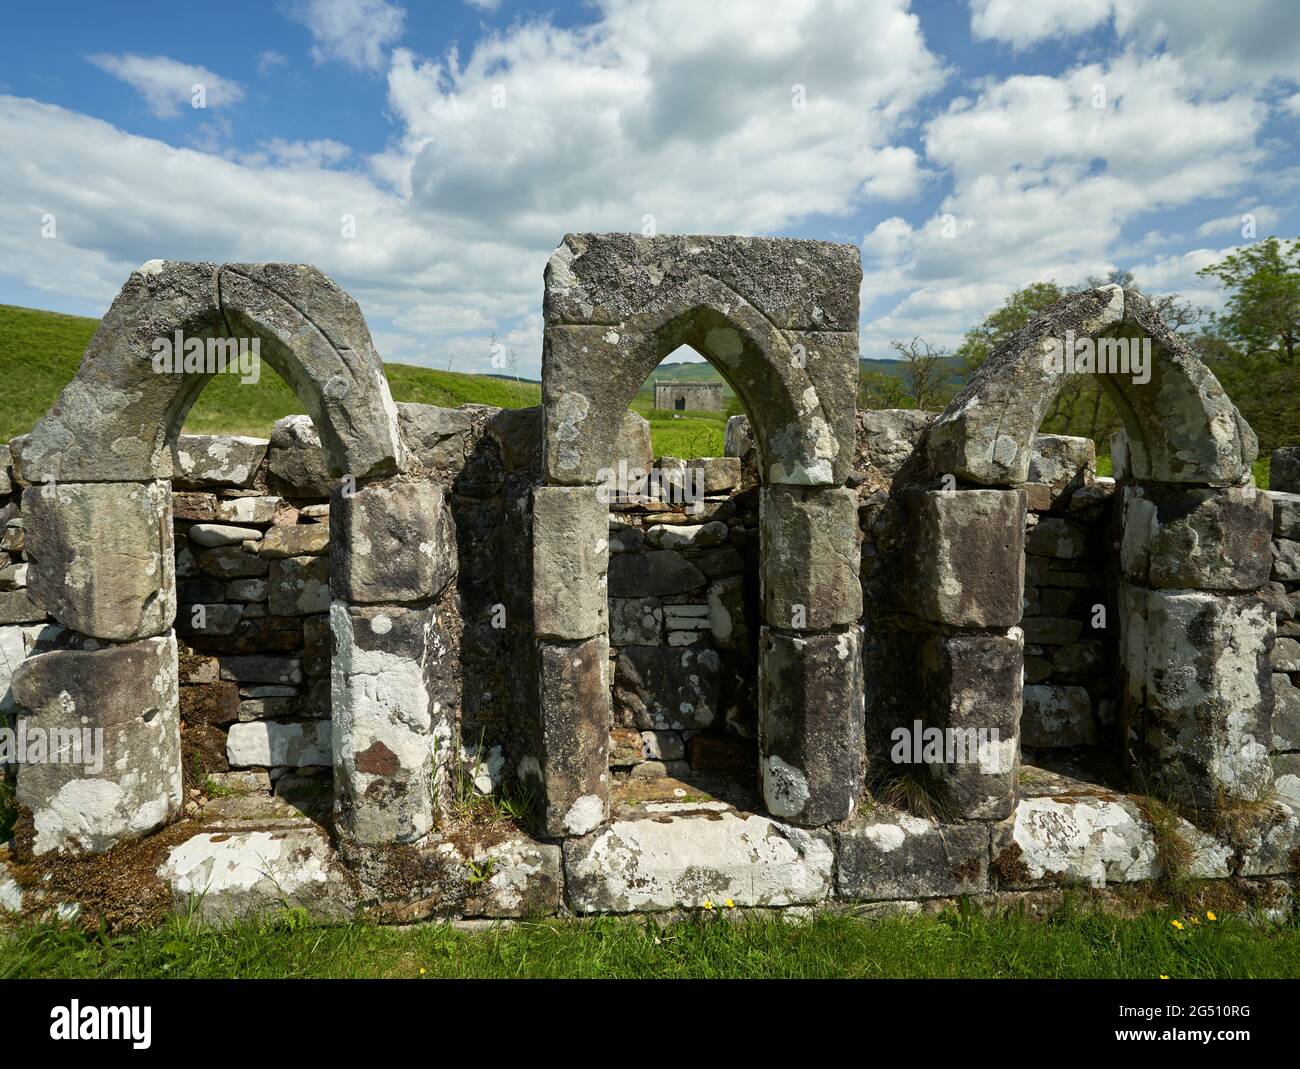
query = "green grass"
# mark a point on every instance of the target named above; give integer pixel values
(685, 434)
(1071, 944)
(40, 352)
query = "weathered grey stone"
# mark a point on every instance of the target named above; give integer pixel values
(636, 621)
(678, 859)
(570, 563)
(738, 440)
(211, 535)
(1199, 689)
(269, 743)
(810, 724)
(574, 736)
(228, 876)
(662, 746)
(295, 461)
(965, 565)
(727, 619)
(1058, 460)
(889, 435)
(632, 445)
(239, 510)
(392, 542)
(654, 574)
(101, 557)
(231, 562)
(257, 668)
(1286, 560)
(717, 475)
(1284, 470)
(1191, 431)
(1051, 630)
(1078, 658)
(893, 856)
(298, 586)
(1055, 537)
(248, 590)
(668, 687)
(608, 278)
(393, 738)
(17, 608)
(1057, 716)
(112, 715)
(436, 436)
(112, 421)
(518, 877)
(1178, 538)
(1286, 514)
(1286, 655)
(810, 558)
(971, 688)
(1285, 723)
(1093, 841)
(297, 540)
(684, 535)
(1275, 840)
(217, 460)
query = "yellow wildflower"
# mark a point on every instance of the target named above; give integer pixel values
(708, 904)
(1209, 915)
(1177, 924)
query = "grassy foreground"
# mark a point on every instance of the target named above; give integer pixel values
(1069, 945)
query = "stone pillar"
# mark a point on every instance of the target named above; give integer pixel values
(811, 753)
(100, 731)
(393, 675)
(1195, 640)
(964, 577)
(570, 619)
(101, 562)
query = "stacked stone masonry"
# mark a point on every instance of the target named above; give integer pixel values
(408, 661)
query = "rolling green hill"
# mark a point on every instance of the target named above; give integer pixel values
(40, 352)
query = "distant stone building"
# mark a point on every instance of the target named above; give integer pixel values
(699, 396)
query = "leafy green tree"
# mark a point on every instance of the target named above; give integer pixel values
(1262, 316)
(1015, 313)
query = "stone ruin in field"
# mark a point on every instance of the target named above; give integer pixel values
(407, 661)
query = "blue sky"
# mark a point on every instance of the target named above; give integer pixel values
(967, 148)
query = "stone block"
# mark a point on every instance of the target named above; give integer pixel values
(259, 509)
(1284, 471)
(101, 557)
(1181, 538)
(258, 668)
(392, 737)
(392, 543)
(1286, 712)
(231, 562)
(112, 716)
(1057, 716)
(211, 535)
(668, 687)
(965, 566)
(217, 460)
(1058, 460)
(811, 709)
(1286, 560)
(677, 859)
(636, 621)
(1199, 692)
(810, 558)
(435, 436)
(738, 440)
(686, 535)
(888, 436)
(883, 856)
(16, 607)
(295, 460)
(658, 573)
(574, 737)
(296, 540)
(570, 563)
(299, 586)
(271, 744)
(1055, 537)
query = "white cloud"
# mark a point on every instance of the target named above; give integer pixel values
(484, 5)
(166, 84)
(355, 32)
(1021, 24)
(1257, 217)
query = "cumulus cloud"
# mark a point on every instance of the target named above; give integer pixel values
(166, 84)
(355, 32)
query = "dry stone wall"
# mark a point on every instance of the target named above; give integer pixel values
(406, 661)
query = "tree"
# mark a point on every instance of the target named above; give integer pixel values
(1262, 316)
(1015, 313)
(924, 370)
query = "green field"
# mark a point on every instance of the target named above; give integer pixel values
(40, 352)
(953, 944)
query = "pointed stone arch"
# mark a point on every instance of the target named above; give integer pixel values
(1194, 635)
(778, 319)
(99, 521)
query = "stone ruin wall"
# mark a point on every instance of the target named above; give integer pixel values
(264, 548)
